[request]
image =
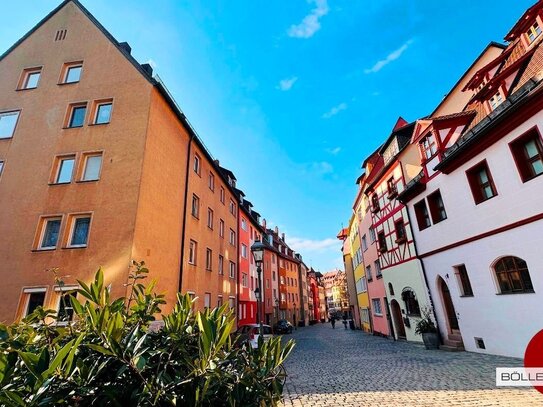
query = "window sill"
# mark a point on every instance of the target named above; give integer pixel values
(86, 181)
(6, 138)
(22, 89)
(392, 195)
(467, 296)
(44, 249)
(439, 220)
(52, 184)
(401, 241)
(378, 315)
(192, 264)
(72, 127)
(67, 83)
(517, 292)
(195, 217)
(97, 124)
(530, 178)
(379, 276)
(75, 247)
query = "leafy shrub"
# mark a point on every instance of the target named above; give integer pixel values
(426, 324)
(109, 356)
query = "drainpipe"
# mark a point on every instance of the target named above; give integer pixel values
(189, 148)
(425, 278)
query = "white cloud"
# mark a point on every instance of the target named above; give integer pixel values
(302, 245)
(335, 110)
(286, 84)
(394, 55)
(333, 151)
(310, 24)
(321, 167)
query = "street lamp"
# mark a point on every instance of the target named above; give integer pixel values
(258, 254)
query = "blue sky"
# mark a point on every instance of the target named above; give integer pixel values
(292, 95)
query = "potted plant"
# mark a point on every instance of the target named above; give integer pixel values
(428, 330)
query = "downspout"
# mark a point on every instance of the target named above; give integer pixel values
(185, 214)
(425, 278)
(238, 262)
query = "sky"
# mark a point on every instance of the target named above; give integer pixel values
(293, 95)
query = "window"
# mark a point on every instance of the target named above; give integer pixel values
(375, 203)
(364, 243)
(377, 267)
(221, 265)
(232, 208)
(196, 164)
(219, 301)
(209, 259)
(195, 206)
(422, 215)
(232, 270)
(372, 234)
(244, 224)
(221, 228)
(274, 276)
(267, 283)
(495, 100)
(92, 167)
(243, 251)
(481, 183)
(533, 32)
(361, 285)
(72, 72)
(77, 115)
(50, 233)
(207, 300)
(401, 235)
(411, 303)
(1, 167)
(221, 195)
(232, 237)
(231, 302)
(65, 309)
(390, 289)
(8, 121)
(35, 297)
(463, 281)
(30, 78)
(193, 247)
(103, 113)
(527, 151)
(368, 273)
(80, 231)
(244, 280)
(437, 209)
(273, 258)
(513, 275)
(210, 218)
(376, 303)
(391, 188)
(65, 169)
(211, 181)
(428, 146)
(382, 242)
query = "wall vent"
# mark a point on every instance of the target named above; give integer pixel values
(480, 343)
(61, 35)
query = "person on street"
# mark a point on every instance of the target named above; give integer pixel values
(345, 321)
(333, 322)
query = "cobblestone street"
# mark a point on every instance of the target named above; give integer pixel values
(349, 368)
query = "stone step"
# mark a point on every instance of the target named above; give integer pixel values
(451, 348)
(455, 337)
(453, 343)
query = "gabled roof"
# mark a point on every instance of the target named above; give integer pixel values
(523, 22)
(479, 76)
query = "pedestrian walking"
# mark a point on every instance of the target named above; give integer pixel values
(333, 322)
(345, 321)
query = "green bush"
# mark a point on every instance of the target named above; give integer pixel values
(109, 356)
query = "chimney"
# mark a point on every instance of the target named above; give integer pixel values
(217, 162)
(148, 69)
(283, 236)
(126, 47)
(264, 224)
(277, 231)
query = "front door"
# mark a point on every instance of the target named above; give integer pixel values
(389, 318)
(449, 307)
(398, 319)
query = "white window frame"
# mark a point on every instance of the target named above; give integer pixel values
(232, 270)
(196, 166)
(60, 160)
(73, 218)
(10, 113)
(97, 108)
(86, 157)
(66, 70)
(27, 292)
(60, 290)
(243, 251)
(193, 251)
(43, 221)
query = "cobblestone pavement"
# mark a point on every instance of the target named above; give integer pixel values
(338, 367)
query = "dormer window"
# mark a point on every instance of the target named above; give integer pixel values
(375, 203)
(495, 100)
(428, 146)
(533, 32)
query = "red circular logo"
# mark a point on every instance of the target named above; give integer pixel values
(533, 357)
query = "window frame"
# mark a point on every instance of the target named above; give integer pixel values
(27, 293)
(375, 205)
(422, 214)
(209, 259)
(382, 243)
(411, 302)
(518, 147)
(2, 165)
(211, 181)
(434, 207)
(220, 268)
(25, 76)
(72, 220)
(232, 269)
(11, 113)
(400, 237)
(477, 186)
(97, 104)
(522, 278)
(193, 252)
(65, 71)
(210, 216)
(60, 292)
(464, 283)
(197, 164)
(392, 189)
(57, 168)
(70, 115)
(42, 227)
(84, 163)
(232, 237)
(195, 206)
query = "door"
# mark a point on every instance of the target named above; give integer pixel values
(398, 319)
(389, 318)
(449, 307)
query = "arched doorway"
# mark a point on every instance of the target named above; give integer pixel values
(448, 306)
(398, 319)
